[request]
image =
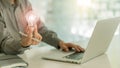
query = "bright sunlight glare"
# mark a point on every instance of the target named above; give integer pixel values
(84, 3)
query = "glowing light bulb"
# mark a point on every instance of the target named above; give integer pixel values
(31, 18)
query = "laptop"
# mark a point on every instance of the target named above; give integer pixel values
(97, 45)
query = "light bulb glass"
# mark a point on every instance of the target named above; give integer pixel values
(31, 18)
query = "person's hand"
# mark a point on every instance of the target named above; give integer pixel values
(31, 33)
(36, 35)
(67, 46)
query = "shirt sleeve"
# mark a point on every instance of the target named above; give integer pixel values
(8, 44)
(1, 29)
(48, 36)
(11, 46)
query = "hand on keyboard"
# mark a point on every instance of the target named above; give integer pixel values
(67, 46)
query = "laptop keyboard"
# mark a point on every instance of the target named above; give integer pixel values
(75, 56)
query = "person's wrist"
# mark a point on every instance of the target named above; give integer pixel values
(61, 43)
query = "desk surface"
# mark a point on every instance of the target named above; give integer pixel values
(108, 60)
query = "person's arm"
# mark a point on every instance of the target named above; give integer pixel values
(8, 44)
(48, 36)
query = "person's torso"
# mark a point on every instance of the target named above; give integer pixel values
(14, 16)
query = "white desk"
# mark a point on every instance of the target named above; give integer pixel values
(109, 60)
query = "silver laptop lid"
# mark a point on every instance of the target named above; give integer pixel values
(101, 38)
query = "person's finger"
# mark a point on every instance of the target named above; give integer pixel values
(28, 42)
(76, 48)
(64, 48)
(80, 48)
(26, 30)
(35, 29)
(25, 41)
(40, 37)
(34, 42)
(37, 36)
(30, 32)
(73, 46)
